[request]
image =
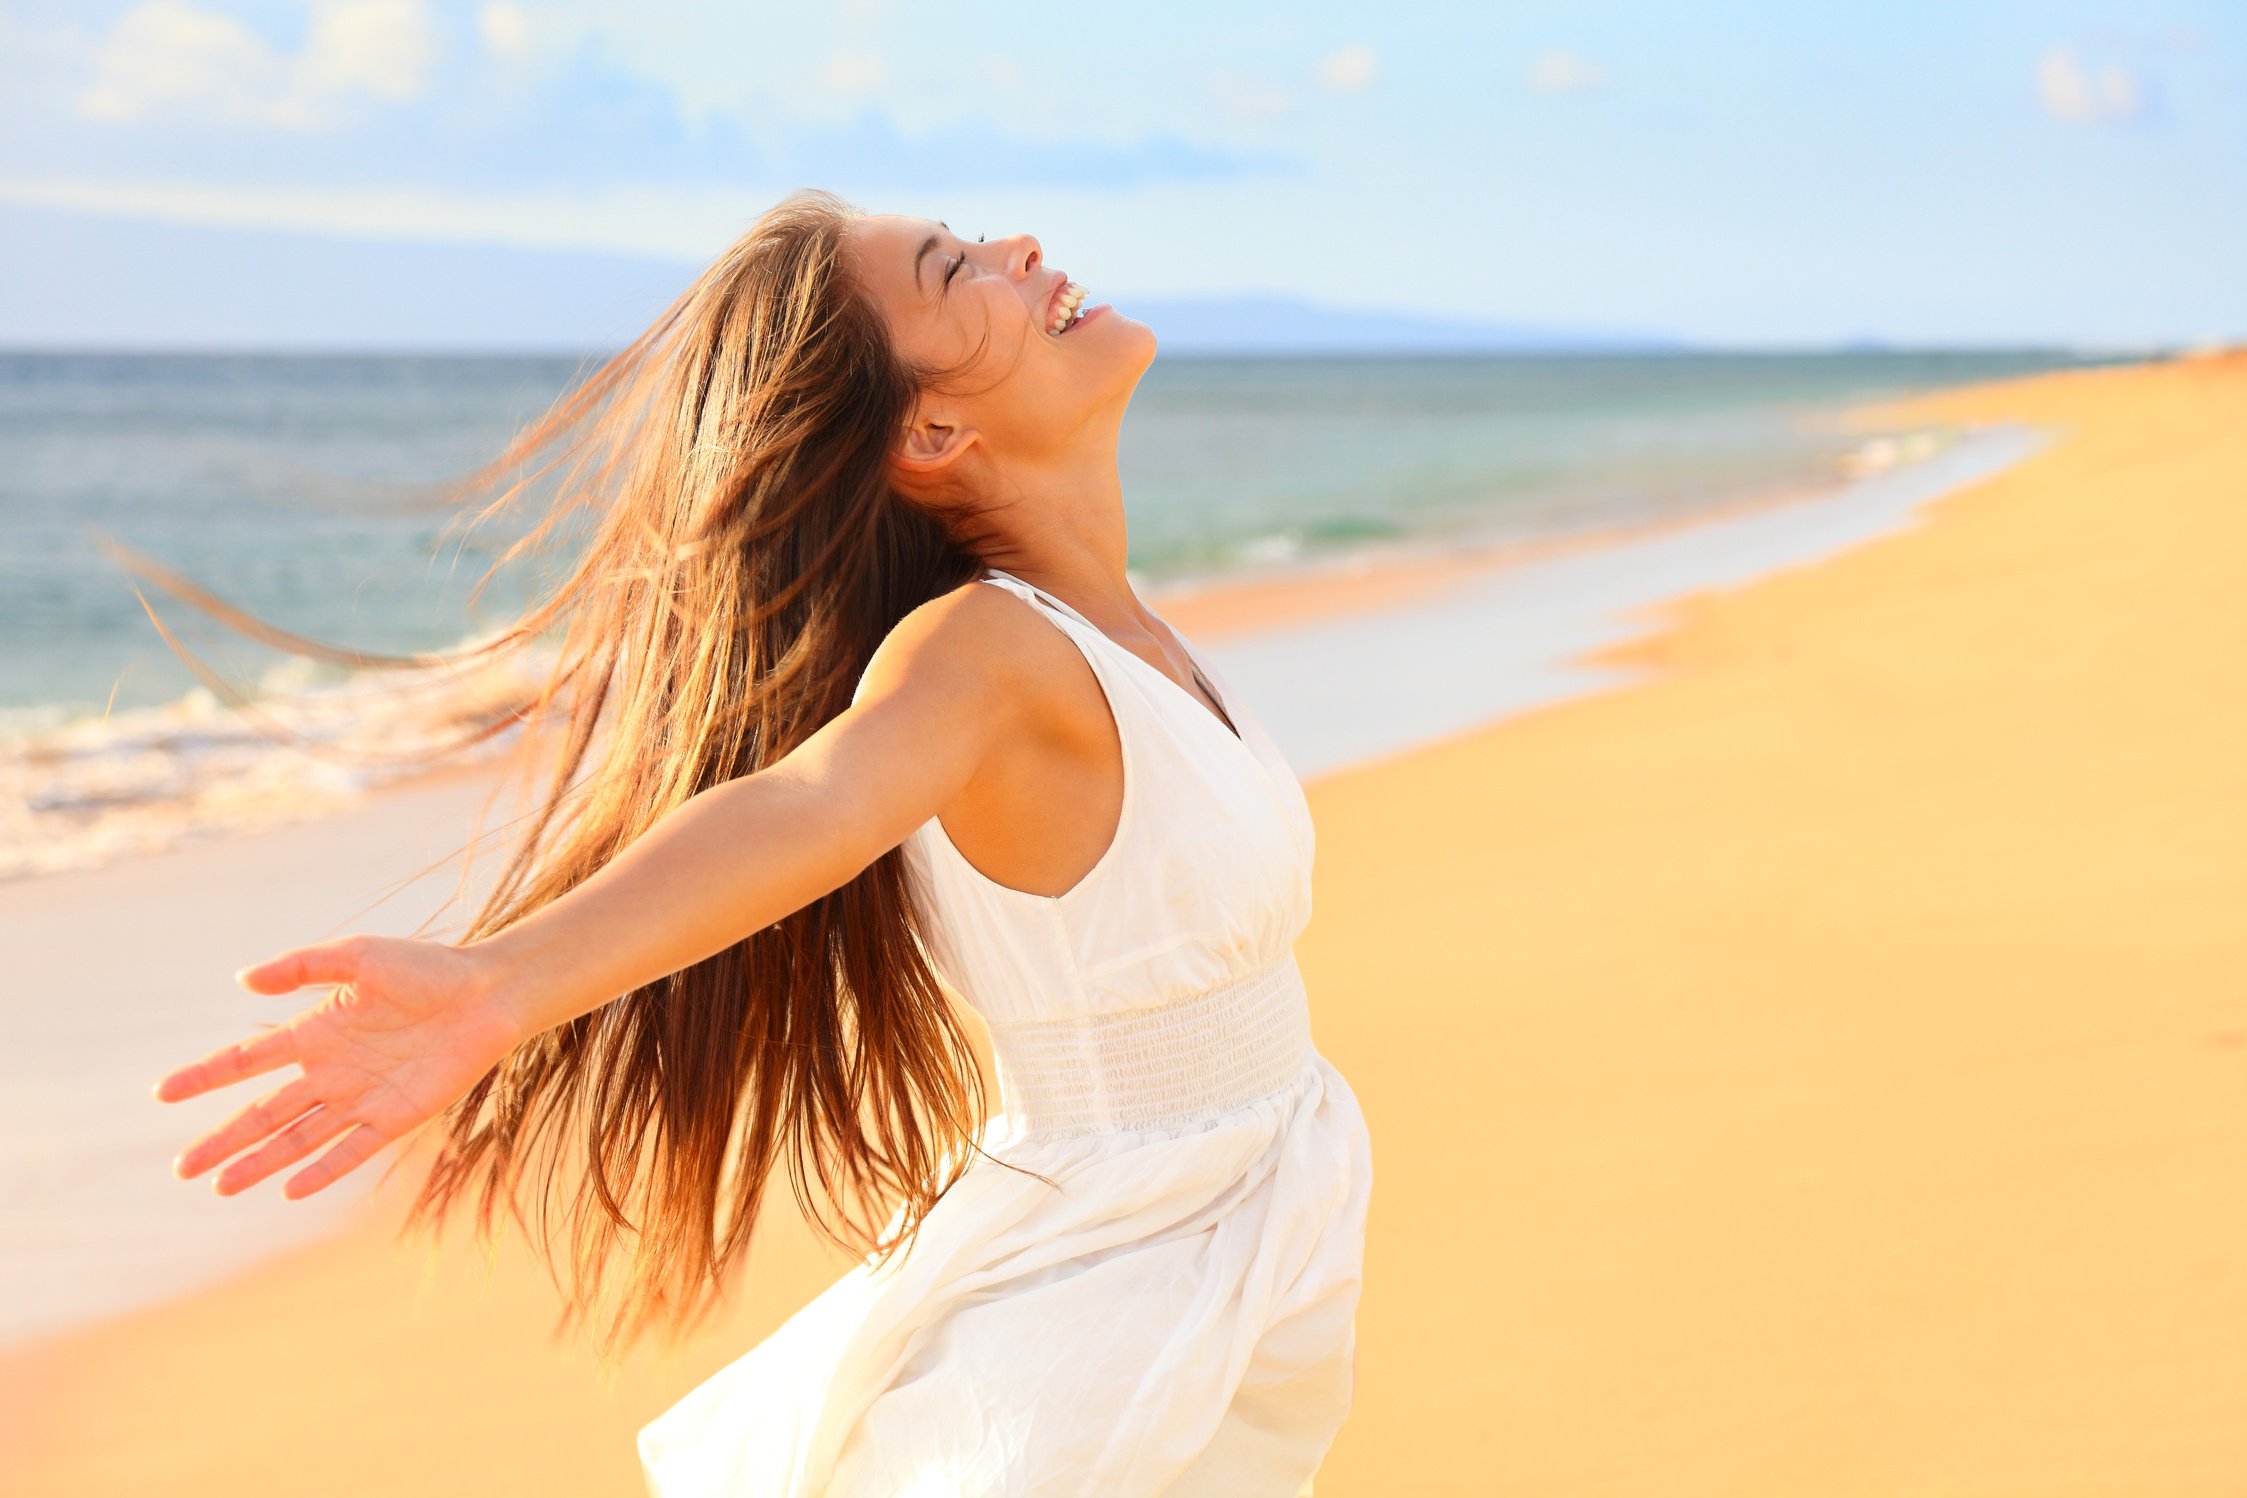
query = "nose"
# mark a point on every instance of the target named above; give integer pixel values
(1023, 254)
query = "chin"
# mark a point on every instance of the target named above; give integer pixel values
(1137, 334)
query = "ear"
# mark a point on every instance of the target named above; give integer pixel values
(932, 444)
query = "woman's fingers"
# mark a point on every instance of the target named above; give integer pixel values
(328, 962)
(245, 1128)
(357, 1148)
(230, 1064)
(291, 1145)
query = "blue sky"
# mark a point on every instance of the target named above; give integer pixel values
(1724, 172)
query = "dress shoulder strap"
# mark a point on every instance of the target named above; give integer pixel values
(1166, 698)
(1038, 597)
(1077, 627)
(1124, 707)
(1035, 594)
(1092, 641)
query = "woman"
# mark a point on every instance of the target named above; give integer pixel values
(881, 721)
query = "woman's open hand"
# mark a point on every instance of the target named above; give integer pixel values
(411, 1026)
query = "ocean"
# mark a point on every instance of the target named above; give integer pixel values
(312, 491)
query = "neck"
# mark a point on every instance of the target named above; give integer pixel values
(1062, 528)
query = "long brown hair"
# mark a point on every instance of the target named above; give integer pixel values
(747, 554)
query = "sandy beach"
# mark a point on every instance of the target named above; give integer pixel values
(1817, 1066)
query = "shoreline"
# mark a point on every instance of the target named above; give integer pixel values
(1252, 599)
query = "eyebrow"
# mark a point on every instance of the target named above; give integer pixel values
(926, 245)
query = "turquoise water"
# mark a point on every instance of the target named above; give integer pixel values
(1229, 459)
(309, 489)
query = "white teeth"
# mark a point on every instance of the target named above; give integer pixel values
(1071, 298)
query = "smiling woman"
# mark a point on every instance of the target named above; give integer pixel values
(860, 718)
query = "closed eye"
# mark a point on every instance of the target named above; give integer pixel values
(946, 284)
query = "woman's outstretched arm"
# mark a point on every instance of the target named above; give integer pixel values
(411, 1025)
(938, 694)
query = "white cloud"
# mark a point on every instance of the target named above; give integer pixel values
(1349, 70)
(166, 55)
(165, 58)
(1564, 72)
(1002, 71)
(505, 30)
(2082, 92)
(379, 47)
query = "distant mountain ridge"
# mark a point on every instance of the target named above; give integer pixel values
(90, 281)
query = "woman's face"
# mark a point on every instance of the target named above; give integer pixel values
(1033, 394)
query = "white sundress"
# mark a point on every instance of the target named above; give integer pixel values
(1176, 1315)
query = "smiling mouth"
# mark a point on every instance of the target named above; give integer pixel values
(1068, 309)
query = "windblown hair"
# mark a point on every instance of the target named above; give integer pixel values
(747, 554)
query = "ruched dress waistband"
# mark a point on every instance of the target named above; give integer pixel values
(1172, 1066)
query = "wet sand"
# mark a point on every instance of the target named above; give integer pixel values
(1818, 1068)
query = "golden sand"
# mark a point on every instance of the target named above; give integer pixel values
(1821, 1069)
(1824, 1069)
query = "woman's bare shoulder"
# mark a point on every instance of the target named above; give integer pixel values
(974, 639)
